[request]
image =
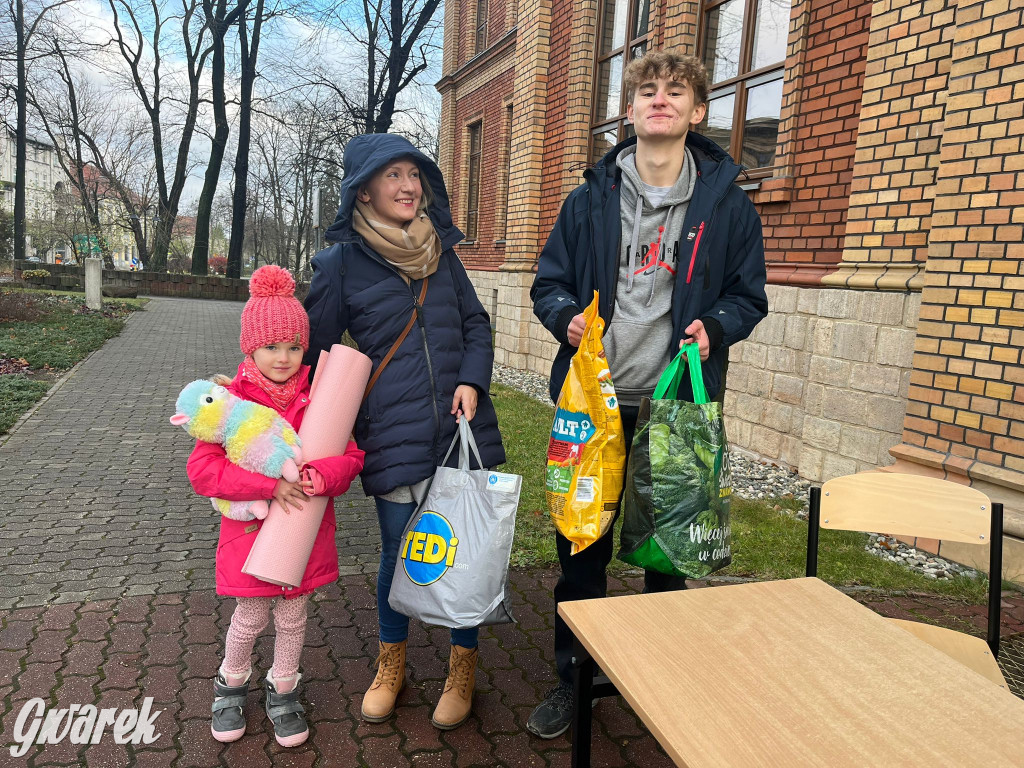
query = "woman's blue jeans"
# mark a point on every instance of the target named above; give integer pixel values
(394, 627)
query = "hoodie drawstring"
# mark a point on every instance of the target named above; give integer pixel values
(635, 245)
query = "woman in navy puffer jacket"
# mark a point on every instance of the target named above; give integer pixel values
(393, 233)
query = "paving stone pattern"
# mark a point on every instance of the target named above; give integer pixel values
(106, 593)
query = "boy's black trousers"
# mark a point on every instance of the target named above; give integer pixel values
(583, 575)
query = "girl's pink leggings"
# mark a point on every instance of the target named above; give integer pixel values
(251, 616)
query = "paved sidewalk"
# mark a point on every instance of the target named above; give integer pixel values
(106, 592)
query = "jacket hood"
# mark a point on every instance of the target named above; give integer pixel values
(365, 155)
(715, 168)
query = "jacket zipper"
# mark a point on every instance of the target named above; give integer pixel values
(423, 335)
(430, 365)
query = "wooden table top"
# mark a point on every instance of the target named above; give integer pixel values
(792, 673)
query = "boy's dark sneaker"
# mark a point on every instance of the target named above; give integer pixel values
(553, 716)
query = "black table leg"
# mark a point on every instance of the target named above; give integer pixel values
(582, 704)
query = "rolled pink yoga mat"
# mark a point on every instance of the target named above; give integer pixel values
(285, 540)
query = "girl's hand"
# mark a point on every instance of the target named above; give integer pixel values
(286, 493)
(464, 402)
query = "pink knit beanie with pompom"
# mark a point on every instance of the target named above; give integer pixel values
(273, 314)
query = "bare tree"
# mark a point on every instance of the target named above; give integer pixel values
(101, 150)
(24, 33)
(396, 42)
(65, 104)
(249, 50)
(146, 78)
(218, 21)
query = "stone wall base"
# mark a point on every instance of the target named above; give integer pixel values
(520, 341)
(821, 384)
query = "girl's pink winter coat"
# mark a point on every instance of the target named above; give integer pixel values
(211, 474)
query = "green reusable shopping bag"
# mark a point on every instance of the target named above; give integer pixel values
(676, 500)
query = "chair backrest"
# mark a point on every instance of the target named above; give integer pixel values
(906, 505)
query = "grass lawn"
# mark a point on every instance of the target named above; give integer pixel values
(43, 334)
(767, 544)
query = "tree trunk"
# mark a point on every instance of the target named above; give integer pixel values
(21, 133)
(238, 202)
(201, 249)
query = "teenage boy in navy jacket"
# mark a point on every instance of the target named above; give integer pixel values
(674, 247)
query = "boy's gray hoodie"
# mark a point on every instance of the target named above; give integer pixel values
(638, 337)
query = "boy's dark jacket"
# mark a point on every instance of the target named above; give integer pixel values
(721, 271)
(406, 425)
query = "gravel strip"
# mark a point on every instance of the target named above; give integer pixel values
(529, 383)
(754, 478)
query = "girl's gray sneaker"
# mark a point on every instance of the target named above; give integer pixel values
(285, 712)
(228, 722)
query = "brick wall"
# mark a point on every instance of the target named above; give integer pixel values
(803, 207)
(675, 25)
(65, 277)
(563, 41)
(966, 400)
(901, 125)
(489, 107)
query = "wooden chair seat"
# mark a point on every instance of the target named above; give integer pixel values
(972, 652)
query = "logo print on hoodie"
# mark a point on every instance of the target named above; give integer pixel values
(650, 256)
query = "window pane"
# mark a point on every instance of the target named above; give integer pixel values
(761, 125)
(717, 125)
(609, 88)
(603, 142)
(723, 38)
(638, 50)
(473, 196)
(643, 19)
(481, 25)
(613, 25)
(770, 33)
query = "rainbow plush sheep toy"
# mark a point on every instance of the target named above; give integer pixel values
(254, 437)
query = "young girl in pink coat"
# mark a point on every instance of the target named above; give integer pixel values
(275, 334)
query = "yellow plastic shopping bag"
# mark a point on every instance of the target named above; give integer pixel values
(587, 452)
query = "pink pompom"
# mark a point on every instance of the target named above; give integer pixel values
(271, 280)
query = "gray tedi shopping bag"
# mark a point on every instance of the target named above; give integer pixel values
(453, 558)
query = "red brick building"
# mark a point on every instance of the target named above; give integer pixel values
(883, 141)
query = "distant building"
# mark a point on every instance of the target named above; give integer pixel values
(44, 178)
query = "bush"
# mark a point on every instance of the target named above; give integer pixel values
(218, 265)
(18, 307)
(17, 395)
(29, 274)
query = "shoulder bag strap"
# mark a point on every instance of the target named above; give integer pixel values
(398, 342)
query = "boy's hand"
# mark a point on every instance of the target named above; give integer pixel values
(464, 402)
(286, 493)
(695, 332)
(575, 330)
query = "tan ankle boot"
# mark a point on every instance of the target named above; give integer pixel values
(457, 699)
(379, 700)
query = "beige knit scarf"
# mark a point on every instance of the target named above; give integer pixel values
(413, 250)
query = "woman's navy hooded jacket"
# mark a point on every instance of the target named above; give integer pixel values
(723, 283)
(406, 425)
